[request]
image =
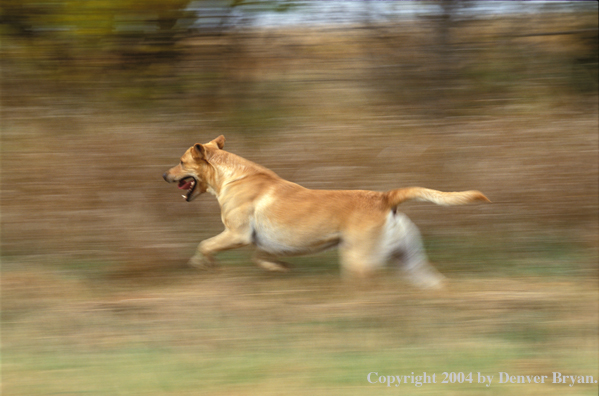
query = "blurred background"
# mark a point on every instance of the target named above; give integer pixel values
(100, 97)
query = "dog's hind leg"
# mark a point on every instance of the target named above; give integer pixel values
(411, 257)
(269, 262)
(359, 255)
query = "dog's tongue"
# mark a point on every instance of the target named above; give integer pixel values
(183, 185)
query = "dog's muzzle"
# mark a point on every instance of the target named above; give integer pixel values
(188, 184)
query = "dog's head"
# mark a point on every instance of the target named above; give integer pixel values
(194, 173)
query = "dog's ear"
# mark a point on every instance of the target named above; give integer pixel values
(198, 152)
(218, 142)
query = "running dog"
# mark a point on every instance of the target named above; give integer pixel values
(282, 218)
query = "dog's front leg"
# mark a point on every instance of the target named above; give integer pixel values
(204, 257)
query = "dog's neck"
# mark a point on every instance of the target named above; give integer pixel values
(229, 168)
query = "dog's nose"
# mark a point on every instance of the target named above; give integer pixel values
(165, 176)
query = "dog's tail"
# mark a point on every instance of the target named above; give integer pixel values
(396, 197)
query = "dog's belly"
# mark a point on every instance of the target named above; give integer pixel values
(291, 242)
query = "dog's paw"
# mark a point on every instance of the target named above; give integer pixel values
(274, 266)
(426, 278)
(202, 263)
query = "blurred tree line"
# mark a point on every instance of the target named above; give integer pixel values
(148, 43)
(149, 30)
(145, 30)
(129, 44)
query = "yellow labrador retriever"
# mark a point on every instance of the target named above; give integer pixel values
(282, 218)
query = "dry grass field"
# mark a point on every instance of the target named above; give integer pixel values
(96, 296)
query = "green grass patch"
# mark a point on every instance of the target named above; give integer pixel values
(156, 371)
(241, 333)
(540, 256)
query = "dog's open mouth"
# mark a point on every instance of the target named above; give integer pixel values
(189, 184)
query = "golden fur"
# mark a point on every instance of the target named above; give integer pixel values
(282, 218)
